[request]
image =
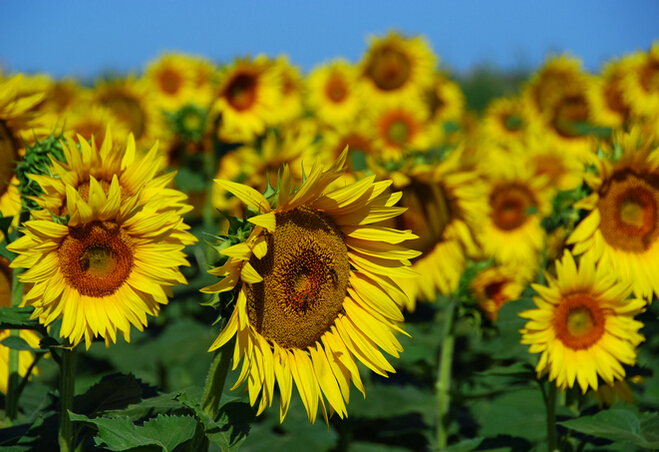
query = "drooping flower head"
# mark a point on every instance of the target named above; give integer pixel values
(106, 246)
(622, 227)
(312, 279)
(584, 325)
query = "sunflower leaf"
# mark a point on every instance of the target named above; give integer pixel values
(16, 343)
(113, 392)
(119, 434)
(623, 423)
(15, 318)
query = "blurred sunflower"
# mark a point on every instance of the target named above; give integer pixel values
(247, 98)
(610, 108)
(113, 261)
(291, 89)
(132, 102)
(401, 128)
(583, 325)
(333, 94)
(313, 286)
(641, 82)
(563, 169)
(495, 286)
(25, 358)
(622, 227)
(172, 77)
(442, 204)
(397, 66)
(445, 100)
(506, 120)
(89, 119)
(516, 202)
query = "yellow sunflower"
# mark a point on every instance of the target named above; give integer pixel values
(610, 108)
(247, 98)
(91, 120)
(25, 358)
(401, 128)
(445, 100)
(333, 94)
(442, 204)
(397, 66)
(641, 82)
(291, 89)
(622, 227)
(583, 325)
(114, 260)
(134, 104)
(314, 289)
(495, 286)
(563, 169)
(516, 201)
(506, 120)
(172, 77)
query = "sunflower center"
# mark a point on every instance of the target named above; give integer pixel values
(336, 89)
(649, 78)
(398, 132)
(511, 206)
(570, 112)
(305, 276)
(579, 321)
(512, 122)
(8, 156)
(614, 98)
(428, 213)
(494, 292)
(628, 207)
(389, 69)
(128, 109)
(5, 282)
(96, 258)
(241, 92)
(170, 81)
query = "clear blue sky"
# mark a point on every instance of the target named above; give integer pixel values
(83, 37)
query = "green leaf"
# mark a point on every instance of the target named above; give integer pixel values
(15, 318)
(465, 446)
(622, 423)
(113, 392)
(119, 434)
(17, 343)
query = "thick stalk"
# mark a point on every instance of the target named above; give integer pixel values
(217, 375)
(551, 417)
(67, 388)
(443, 383)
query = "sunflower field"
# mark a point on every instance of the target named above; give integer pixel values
(372, 256)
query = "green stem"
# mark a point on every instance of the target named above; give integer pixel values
(551, 417)
(67, 387)
(443, 383)
(217, 375)
(13, 393)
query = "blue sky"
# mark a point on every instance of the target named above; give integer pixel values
(82, 38)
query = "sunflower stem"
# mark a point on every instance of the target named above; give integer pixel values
(217, 375)
(67, 387)
(551, 417)
(443, 383)
(13, 391)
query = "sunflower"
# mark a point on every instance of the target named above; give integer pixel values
(442, 202)
(89, 119)
(515, 203)
(506, 120)
(134, 104)
(401, 128)
(172, 77)
(622, 227)
(641, 82)
(333, 94)
(25, 358)
(495, 286)
(445, 100)
(113, 261)
(563, 169)
(397, 66)
(583, 325)
(248, 98)
(291, 89)
(610, 108)
(313, 288)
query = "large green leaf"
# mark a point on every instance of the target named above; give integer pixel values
(120, 434)
(622, 423)
(15, 318)
(113, 392)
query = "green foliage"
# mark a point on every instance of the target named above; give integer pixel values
(15, 318)
(623, 423)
